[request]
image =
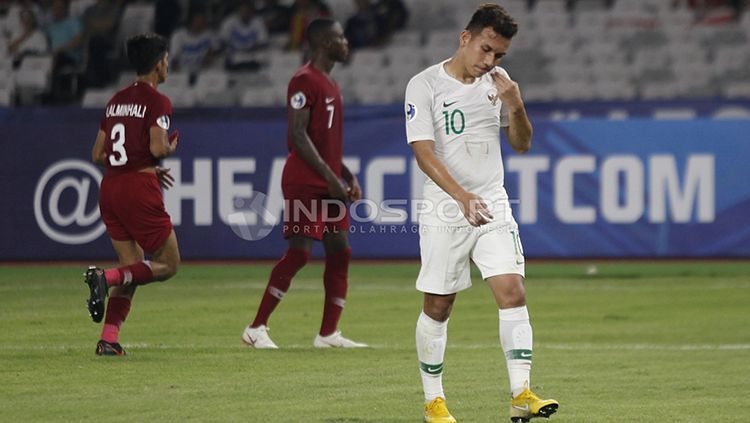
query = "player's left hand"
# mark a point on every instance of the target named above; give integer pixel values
(354, 190)
(174, 139)
(165, 179)
(507, 90)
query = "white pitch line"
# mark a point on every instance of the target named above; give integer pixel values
(572, 346)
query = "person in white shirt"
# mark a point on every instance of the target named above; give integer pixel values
(29, 41)
(192, 48)
(244, 35)
(454, 113)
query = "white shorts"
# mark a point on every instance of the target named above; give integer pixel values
(445, 251)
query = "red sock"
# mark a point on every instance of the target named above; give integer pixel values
(335, 282)
(278, 283)
(137, 274)
(117, 310)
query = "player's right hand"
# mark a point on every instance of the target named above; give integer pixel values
(165, 179)
(337, 190)
(474, 209)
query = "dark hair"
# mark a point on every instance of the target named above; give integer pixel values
(495, 17)
(145, 51)
(317, 30)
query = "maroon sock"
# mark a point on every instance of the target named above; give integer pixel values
(137, 274)
(117, 310)
(278, 283)
(335, 282)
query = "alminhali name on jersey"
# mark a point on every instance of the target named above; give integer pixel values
(126, 110)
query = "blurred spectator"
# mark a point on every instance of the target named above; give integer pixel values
(30, 40)
(243, 34)
(303, 12)
(167, 15)
(100, 23)
(65, 35)
(78, 7)
(392, 15)
(277, 16)
(192, 47)
(712, 12)
(5, 31)
(11, 26)
(362, 27)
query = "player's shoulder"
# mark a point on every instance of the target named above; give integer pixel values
(427, 77)
(305, 76)
(121, 93)
(304, 71)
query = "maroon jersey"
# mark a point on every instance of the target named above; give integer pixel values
(129, 116)
(311, 88)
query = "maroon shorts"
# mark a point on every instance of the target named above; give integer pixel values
(132, 207)
(311, 213)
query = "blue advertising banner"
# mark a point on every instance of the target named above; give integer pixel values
(588, 188)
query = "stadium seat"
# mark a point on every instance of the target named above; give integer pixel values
(137, 18)
(613, 89)
(729, 58)
(405, 57)
(178, 80)
(181, 97)
(127, 78)
(549, 7)
(577, 90)
(6, 96)
(737, 90)
(367, 58)
(97, 98)
(34, 73)
(660, 90)
(684, 54)
(212, 89)
(268, 96)
(342, 9)
(407, 38)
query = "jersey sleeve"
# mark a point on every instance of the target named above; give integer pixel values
(418, 109)
(302, 92)
(504, 114)
(160, 113)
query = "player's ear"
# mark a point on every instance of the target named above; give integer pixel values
(464, 38)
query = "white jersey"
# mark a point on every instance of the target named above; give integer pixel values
(464, 121)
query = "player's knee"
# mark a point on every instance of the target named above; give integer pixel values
(167, 272)
(438, 310)
(439, 315)
(172, 269)
(514, 297)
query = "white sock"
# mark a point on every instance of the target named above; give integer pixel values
(431, 339)
(516, 340)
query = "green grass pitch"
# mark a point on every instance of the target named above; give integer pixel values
(636, 342)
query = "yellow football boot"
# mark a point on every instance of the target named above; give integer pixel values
(527, 406)
(436, 411)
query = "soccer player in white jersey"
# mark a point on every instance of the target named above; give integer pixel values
(454, 112)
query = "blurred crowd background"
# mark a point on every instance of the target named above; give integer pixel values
(242, 53)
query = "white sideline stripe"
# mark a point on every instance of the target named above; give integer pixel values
(582, 346)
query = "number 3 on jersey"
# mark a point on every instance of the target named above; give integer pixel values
(118, 146)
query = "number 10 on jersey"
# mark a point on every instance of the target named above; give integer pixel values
(451, 119)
